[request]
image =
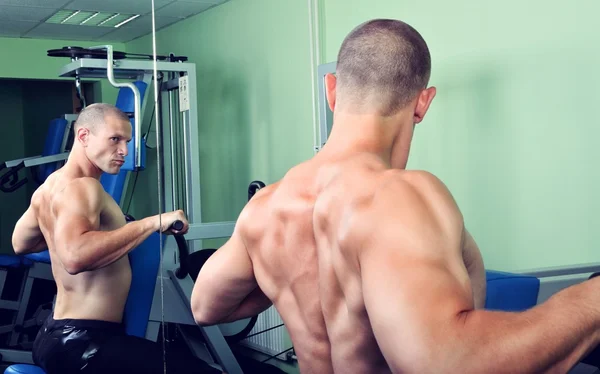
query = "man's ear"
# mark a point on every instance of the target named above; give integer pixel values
(330, 86)
(83, 135)
(423, 102)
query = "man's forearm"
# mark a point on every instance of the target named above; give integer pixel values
(97, 249)
(552, 337)
(27, 236)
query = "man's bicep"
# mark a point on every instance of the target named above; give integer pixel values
(74, 215)
(409, 301)
(476, 269)
(231, 264)
(225, 279)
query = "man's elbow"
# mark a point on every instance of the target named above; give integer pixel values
(202, 314)
(73, 264)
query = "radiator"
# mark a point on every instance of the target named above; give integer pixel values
(270, 342)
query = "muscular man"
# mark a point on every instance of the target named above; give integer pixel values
(369, 265)
(88, 240)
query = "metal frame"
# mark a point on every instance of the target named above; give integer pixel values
(322, 71)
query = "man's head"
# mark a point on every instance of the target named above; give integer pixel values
(103, 131)
(383, 69)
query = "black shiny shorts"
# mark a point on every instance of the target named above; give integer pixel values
(88, 346)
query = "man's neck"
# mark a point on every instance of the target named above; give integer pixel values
(80, 166)
(356, 134)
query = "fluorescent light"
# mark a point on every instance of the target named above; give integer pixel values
(127, 20)
(108, 19)
(71, 16)
(89, 18)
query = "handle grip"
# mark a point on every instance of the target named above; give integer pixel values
(177, 225)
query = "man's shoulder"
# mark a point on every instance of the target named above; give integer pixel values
(77, 191)
(408, 206)
(408, 184)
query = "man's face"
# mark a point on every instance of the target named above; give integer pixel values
(107, 146)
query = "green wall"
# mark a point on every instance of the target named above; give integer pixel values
(253, 96)
(31, 94)
(13, 204)
(513, 130)
(27, 107)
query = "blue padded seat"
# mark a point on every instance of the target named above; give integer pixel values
(54, 139)
(23, 369)
(510, 292)
(114, 183)
(9, 261)
(39, 257)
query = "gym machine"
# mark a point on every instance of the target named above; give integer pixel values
(177, 123)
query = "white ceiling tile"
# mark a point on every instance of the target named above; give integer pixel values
(182, 9)
(69, 32)
(123, 35)
(119, 6)
(36, 3)
(15, 28)
(21, 13)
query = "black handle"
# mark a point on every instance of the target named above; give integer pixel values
(184, 254)
(177, 225)
(183, 250)
(254, 187)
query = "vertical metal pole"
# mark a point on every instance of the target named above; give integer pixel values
(186, 156)
(174, 196)
(137, 103)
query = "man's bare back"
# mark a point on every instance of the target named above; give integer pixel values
(97, 295)
(305, 236)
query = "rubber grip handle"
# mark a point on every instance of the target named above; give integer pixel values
(177, 225)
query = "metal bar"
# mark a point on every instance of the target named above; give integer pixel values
(46, 159)
(14, 338)
(14, 356)
(563, 270)
(212, 334)
(194, 192)
(186, 156)
(137, 102)
(323, 70)
(9, 304)
(13, 163)
(199, 231)
(174, 197)
(126, 69)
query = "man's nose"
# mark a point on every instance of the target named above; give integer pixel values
(123, 150)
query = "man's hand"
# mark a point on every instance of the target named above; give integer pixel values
(166, 220)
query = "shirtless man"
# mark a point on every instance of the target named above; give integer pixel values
(88, 241)
(369, 265)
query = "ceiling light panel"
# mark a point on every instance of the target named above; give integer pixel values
(91, 18)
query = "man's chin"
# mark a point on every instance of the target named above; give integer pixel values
(113, 171)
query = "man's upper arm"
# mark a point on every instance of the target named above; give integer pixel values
(225, 279)
(76, 211)
(414, 282)
(476, 269)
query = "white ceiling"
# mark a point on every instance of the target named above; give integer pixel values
(25, 18)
